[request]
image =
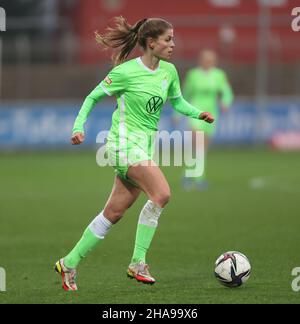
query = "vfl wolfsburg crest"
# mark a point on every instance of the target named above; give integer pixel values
(154, 104)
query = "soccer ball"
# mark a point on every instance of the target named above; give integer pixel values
(232, 269)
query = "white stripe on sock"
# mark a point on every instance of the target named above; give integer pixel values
(100, 226)
(150, 214)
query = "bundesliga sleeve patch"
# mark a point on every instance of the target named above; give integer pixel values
(108, 80)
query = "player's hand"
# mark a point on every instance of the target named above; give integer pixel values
(77, 138)
(206, 116)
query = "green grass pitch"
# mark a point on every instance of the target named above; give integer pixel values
(252, 206)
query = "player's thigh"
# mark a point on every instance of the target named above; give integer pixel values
(152, 181)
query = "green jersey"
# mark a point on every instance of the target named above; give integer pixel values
(140, 93)
(203, 88)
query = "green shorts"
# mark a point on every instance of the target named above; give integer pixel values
(122, 154)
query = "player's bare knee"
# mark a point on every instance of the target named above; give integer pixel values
(113, 213)
(162, 198)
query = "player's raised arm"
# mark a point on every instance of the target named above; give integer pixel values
(89, 103)
(112, 84)
(185, 108)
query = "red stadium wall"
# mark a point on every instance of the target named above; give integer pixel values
(231, 30)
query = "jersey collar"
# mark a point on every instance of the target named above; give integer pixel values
(139, 60)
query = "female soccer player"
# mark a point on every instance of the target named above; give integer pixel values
(202, 87)
(141, 87)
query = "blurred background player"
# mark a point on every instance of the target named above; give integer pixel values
(206, 87)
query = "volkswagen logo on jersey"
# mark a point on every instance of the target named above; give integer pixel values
(154, 104)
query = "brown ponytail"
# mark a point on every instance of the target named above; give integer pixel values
(124, 37)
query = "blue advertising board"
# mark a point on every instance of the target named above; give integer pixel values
(49, 125)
